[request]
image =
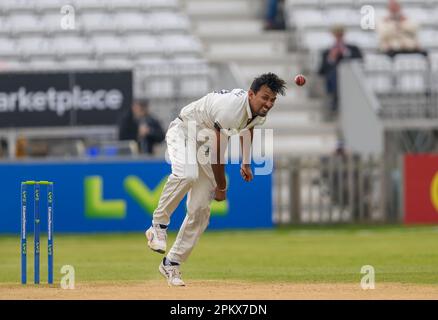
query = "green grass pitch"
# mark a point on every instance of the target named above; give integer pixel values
(298, 254)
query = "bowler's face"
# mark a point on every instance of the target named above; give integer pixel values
(262, 101)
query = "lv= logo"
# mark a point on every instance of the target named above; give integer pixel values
(96, 207)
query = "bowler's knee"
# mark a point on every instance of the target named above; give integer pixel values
(201, 218)
(198, 210)
(206, 221)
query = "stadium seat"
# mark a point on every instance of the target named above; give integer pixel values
(95, 22)
(428, 38)
(66, 46)
(347, 17)
(168, 22)
(421, 16)
(130, 21)
(134, 5)
(380, 83)
(151, 37)
(117, 63)
(411, 83)
(147, 62)
(49, 6)
(162, 4)
(372, 2)
(51, 23)
(318, 16)
(418, 2)
(338, 3)
(109, 45)
(143, 45)
(316, 40)
(159, 87)
(191, 65)
(35, 46)
(302, 18)
(86, 5)
(9, 6)
(156, 67)
(196, 86)
(410, 62)
(180, 44)
(77, 63)
(365, 40)
(302, 3)
(377, 63)
(43, 64)
(23, 23)
(380, 13)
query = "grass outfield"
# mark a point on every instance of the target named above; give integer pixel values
(301, 255)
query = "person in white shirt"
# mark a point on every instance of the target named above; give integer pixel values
(214, 117)
(397, 33)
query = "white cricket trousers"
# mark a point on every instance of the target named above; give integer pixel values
(188, 175)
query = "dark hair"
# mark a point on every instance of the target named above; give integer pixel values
(143, 102)
(272, 81)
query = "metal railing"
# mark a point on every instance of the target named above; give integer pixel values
(329, 189)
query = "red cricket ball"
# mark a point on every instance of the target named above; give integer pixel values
(300, 80)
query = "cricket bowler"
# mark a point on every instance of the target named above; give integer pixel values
(221, 114)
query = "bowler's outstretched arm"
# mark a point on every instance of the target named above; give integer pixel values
(218, 167)
(246, 145)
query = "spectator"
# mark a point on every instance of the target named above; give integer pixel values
(274, 19)
(397, 33)
(139, 125)
(331, 57)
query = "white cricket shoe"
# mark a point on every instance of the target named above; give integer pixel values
(156, 238)
(172, 274)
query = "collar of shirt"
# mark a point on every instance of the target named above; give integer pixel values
(248, 108)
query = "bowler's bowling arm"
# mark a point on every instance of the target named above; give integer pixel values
(218, 161)
(246, 138)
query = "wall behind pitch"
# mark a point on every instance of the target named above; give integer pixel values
(113, 196)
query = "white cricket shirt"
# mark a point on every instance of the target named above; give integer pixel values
(228, 110)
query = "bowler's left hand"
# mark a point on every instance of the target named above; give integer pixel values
(246, 172)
